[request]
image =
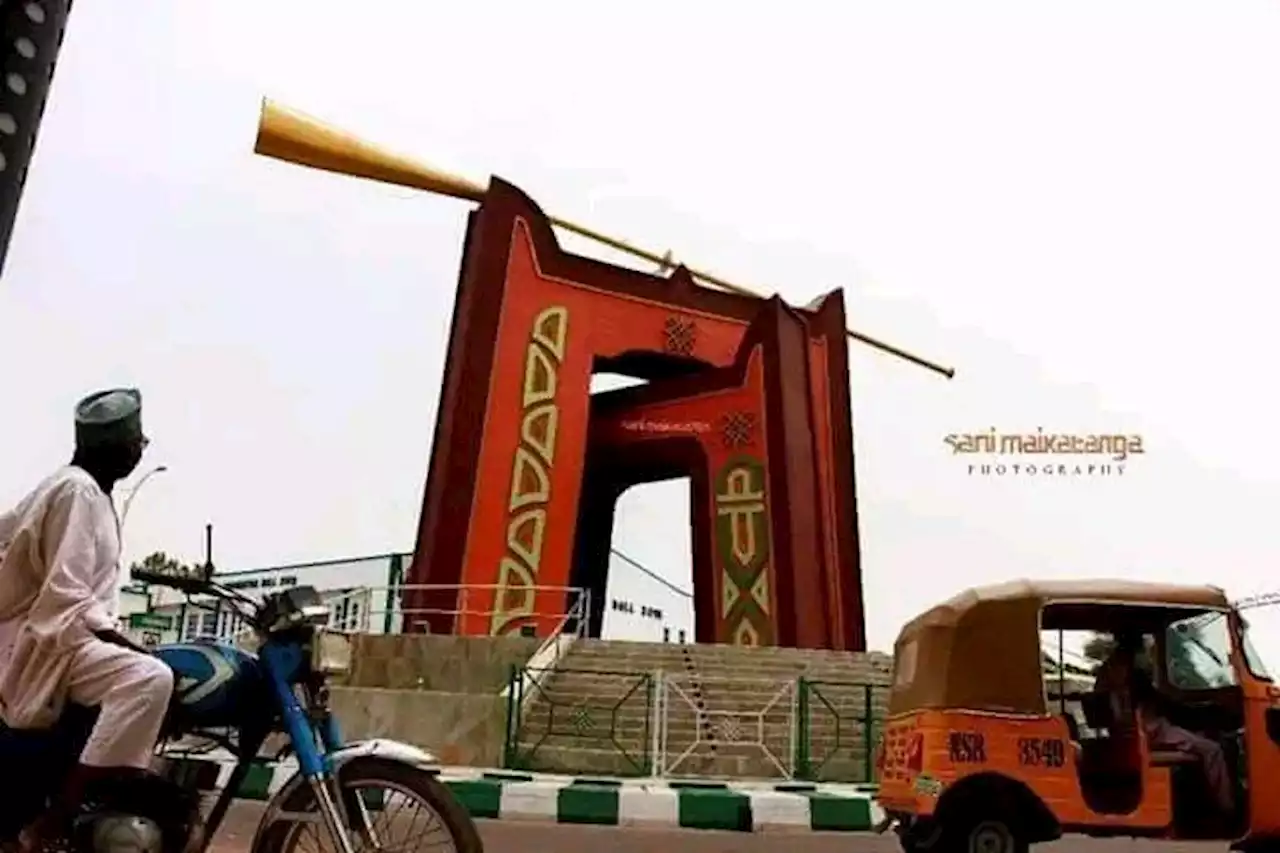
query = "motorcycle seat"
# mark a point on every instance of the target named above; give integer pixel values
(65, 738)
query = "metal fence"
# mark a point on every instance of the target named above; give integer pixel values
(379, 610)
(836, 730)
(374, 610)
(581, 720)
(585, 722)
(727, 727)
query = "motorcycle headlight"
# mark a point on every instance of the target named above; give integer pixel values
(331, 653)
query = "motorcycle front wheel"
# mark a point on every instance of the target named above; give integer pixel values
(384, 788)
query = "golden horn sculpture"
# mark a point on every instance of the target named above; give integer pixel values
(295, 137)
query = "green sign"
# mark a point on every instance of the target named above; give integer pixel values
(152, 621)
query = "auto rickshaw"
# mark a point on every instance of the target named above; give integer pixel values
(983, 752)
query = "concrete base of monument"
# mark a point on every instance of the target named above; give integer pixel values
(743, 806)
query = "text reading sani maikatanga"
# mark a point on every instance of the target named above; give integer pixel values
(1119, 446)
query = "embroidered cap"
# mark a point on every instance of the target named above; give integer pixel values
(110, 417)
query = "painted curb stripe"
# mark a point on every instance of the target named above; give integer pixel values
(839, 814)
(767, 807)
(598, 805)
(656, 807)
(783, 812)
(722, 809)
(481, 798)
(714, 809)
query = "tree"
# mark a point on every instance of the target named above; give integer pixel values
(160, 563)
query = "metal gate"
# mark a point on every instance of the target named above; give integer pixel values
(726, 727)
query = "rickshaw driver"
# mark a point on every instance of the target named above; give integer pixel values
(1132, 691)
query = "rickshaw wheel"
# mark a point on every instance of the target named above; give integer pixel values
(991, 836)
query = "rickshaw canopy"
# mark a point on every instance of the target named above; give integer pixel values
(980, 650)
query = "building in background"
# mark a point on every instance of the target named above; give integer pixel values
(135, 605)
(361, 595)
(644, 606)
(31, 34)
(627, 620)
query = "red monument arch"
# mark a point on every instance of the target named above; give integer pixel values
(747, 397)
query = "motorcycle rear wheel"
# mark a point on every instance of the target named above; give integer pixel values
(373, 772)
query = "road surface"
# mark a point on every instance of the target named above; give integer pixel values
(521, 837)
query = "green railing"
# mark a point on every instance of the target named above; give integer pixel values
(835, 731)
(579, 721)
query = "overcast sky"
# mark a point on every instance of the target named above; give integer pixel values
(1076, 204)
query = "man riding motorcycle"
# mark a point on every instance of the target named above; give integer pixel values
(59, 585)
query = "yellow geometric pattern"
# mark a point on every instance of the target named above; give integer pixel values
(531, 472)
(742, 545)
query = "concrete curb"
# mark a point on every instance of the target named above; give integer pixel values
(669, 804)
(755, 806)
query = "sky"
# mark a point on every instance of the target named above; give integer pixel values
(1074, 204)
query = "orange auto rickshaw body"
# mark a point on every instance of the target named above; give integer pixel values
(971, 721)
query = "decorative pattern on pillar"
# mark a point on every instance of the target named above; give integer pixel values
(679, 336)
(534, 457)
(737, 430)
(742, 540)
(30, 37)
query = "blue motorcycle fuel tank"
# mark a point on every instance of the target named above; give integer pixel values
(215, 685)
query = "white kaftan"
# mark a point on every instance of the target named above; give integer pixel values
(59, 583)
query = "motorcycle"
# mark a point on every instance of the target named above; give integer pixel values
(236, 699)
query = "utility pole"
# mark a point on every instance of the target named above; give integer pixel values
(30, 38)
(208, 570)
(208, 548)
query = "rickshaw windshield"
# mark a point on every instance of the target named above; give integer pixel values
(1198, 653)
(1252, 659)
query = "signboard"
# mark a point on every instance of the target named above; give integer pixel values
(151, 621)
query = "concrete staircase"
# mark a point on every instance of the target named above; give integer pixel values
(722, 712)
